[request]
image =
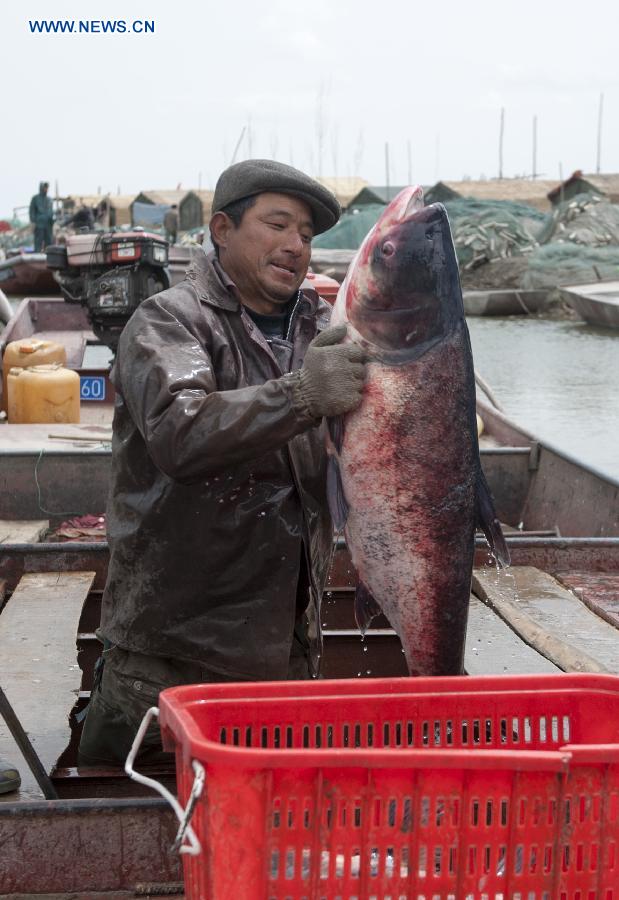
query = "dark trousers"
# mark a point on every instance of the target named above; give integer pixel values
(42, 237)
(129, 683)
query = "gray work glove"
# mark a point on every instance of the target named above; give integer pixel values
(332, 377)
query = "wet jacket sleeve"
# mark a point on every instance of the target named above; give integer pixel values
(191, 429)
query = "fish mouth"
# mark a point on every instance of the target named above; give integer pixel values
(414, 205)
(419, 302)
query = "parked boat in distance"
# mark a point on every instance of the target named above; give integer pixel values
(510, 302)
(27, 273)
(597, 303)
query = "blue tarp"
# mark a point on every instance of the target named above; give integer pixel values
(148, 214)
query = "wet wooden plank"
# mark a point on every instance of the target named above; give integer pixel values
(549, 618)
(38, 664)
(18, 532)
(493, 648)
(600, 592)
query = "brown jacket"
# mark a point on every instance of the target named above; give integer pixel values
(218, 483)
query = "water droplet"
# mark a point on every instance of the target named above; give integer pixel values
(368, 671)
(262, 513)
(358, 674)
(365, 648)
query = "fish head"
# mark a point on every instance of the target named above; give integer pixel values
(402, 291)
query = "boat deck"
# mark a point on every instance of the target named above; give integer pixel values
(542, 615)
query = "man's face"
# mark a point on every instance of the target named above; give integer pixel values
(267, 256)
(44, 188)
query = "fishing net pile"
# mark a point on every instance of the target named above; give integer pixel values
(587, 219)
(489, 230)
(578, 242)
(351, 229)
(569, 263)
(503, 244)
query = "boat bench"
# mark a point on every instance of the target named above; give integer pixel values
(39, 672)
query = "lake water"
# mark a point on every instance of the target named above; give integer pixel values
(559, 380)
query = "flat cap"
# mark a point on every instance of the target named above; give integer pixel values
(257, 176)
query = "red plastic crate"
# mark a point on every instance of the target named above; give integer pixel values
(402, 789)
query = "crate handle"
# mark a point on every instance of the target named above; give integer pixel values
(193, 848)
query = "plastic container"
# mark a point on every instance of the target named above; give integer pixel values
(457, 789)
(325, 286)
(29, 352)
(43, 394)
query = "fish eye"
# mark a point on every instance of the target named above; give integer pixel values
(388, 249)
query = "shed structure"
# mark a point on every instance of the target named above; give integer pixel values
(533, 192)
(116, 210)
(195, 209)
(160, 198)
(373, 193)
(606, 186)
(345, 188)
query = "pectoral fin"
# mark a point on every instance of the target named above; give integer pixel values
(338, 506)
(366, 607)
(336, 432)
(488, 522)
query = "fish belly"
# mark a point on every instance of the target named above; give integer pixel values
(409, 466)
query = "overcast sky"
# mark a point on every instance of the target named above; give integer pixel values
(140, 111)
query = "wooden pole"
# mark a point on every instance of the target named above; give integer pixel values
(249, 139)
(238, 144)
(27, 750)
(599, 148)
(501, 132)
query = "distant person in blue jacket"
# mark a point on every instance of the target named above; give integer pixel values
(42, 217)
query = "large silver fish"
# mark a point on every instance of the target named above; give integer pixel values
(405, 479)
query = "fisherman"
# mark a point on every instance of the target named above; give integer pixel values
(219, 532)
(42, 217)
(170, 223)
(83, 217)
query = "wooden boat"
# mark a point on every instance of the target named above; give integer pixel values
(597, 304)
(509, 302)
(27, 273)
(105, 836)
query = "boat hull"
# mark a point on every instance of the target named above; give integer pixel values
(597, 304)
(27, 273)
